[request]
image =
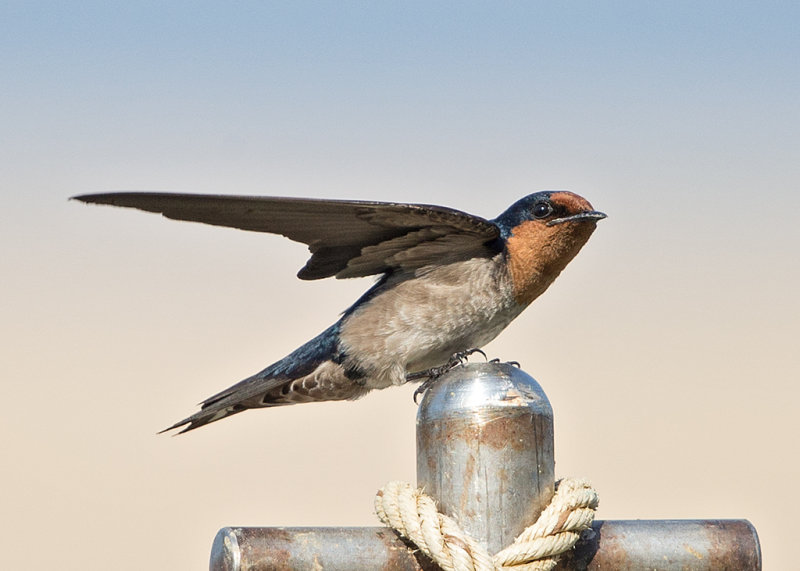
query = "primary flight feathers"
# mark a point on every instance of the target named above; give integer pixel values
(347, 238)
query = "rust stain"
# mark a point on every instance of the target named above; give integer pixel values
(466, 493)
(502, 475)
(732, 545)
(425, 438)
(278, 556)
(693, 551)
(500, 433)
(399, 554)
(613, 555)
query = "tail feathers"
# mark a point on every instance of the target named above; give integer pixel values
(232, 400)
(260, 389)
(203, 417)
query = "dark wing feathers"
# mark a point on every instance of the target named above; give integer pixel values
(346, 238)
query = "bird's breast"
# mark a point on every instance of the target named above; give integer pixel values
(418, 322)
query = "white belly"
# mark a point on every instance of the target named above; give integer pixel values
(419, 323)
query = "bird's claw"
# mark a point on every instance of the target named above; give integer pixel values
(422, 388)
(430, 375)
(512, 363)
(462, 357)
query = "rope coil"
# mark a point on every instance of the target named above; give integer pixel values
(413, 515)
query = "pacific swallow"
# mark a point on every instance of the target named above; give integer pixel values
(448, 282)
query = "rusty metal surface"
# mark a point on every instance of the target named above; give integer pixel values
(612, 545)
(667, 545)
(485, 450)
(313, 548)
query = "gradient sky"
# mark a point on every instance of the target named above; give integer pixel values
(668, 348)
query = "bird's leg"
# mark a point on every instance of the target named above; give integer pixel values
(455, 359)
(430, 375)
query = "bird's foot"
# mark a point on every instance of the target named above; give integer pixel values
(513, 363)
(432, 374)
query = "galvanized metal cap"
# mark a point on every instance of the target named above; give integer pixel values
(477, 388)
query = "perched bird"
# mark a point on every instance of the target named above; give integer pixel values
(449, 282)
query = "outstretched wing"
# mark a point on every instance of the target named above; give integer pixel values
(346, 238)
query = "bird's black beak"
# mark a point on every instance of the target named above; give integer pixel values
(590, 215)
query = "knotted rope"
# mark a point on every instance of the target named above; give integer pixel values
(413, 514)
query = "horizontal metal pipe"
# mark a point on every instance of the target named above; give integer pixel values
(298, 548)
(693, 545)
(667, 545)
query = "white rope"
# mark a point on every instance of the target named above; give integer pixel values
(414, 515)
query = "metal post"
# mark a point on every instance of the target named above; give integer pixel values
(485, 453)
(485, 450)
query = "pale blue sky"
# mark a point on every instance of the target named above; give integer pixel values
(671, 340)
(673, 99)
(399, 85)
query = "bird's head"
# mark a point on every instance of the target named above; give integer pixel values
(542, 233)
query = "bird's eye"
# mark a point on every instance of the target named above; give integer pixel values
(542, 210)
